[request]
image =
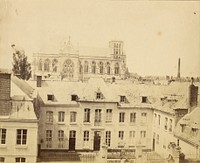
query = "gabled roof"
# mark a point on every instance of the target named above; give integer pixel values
(191, 121)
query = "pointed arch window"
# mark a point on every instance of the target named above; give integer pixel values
(117, 68)
(46, 65)
(40, 65)
(55, 65)
(86, 66)
(108, 68)
(68, 69)
(101, 67)
(80, 67)
(93, 67)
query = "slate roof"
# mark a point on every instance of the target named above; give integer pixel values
(191, 121)
(21, 99)
(161, 97)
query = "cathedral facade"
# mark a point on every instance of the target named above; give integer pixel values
(75, 64)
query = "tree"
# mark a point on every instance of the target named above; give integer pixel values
(21, 66)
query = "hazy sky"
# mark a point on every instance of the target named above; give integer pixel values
(155, 34)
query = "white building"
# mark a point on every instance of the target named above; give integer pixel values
(18, 123)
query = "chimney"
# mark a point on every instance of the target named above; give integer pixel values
(193, 95)
(179, 65)
(113, 79)
(5, 85)
(39, 81)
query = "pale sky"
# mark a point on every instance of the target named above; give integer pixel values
(155, 34)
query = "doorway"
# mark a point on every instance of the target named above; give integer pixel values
(72, 140)
(97, 140)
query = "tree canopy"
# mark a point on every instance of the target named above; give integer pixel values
(21, 66)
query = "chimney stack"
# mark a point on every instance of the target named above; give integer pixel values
(39, 81)
(5, 89)
(193, 96)
(179, 65)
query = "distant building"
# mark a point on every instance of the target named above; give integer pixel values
(18, 123)
(81, 63)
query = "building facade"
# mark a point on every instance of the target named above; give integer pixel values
(81, 63)
(18, 123)
(84, 116)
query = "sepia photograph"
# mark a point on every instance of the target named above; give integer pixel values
(99, 81)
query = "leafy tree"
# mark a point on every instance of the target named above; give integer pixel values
(21, 66)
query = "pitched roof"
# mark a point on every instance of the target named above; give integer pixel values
(161, 97)
(190, 121)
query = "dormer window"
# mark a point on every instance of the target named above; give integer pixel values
(122, 98)
(74, 97)
(50, 97)
(99, 95)
(144, 99)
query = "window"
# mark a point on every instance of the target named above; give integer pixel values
(46, 65)
(60, 135)
(157, 139)
(131, 134)
(54, 65)
(144, 99)
(49, 117)
(170, 125)
(72, 116)
(117, 69)
(99, 95)
(48, 138)
(143, 117)
(40, 65)
(158, 119)
(74, 97)
(98, 115)
(20, 159)
(86, 66)
(108, 115)
(61, 116)
(86, 115)
(122, 98)
(21, 136)
(50, 97)
(2, 136)
(86, 136)
(132, 117)
(166, 121)
(101, 67)
(60, 139)
(121, 135)
(80, 67)
(108, 68)
(68, 69)
(142, 134)
(194, 131)
(2, 159)
(183, 127)
(108, 138)
(155, 118)
(93, 67)
(121, 117)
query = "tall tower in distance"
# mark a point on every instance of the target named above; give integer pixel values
(116, 48)
(179, 64)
